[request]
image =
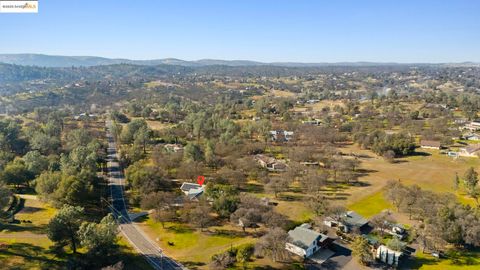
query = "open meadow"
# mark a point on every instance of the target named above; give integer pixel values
(194, 247)
(25, 245)
(429, 169)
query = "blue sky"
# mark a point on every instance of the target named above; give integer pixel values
(263, 30)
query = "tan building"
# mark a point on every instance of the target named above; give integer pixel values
(270, 163)
(428, 144)
(470, 151)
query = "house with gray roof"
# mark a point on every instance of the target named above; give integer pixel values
(347, 221)
(353, 220)
(192, 190)
(305, 242)
(472, 137)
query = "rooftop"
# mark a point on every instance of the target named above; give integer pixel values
(472, 148)
(430, 143)
(353, 219)
(194, 193)
(186, 186)
(303, 237)
(266, 159)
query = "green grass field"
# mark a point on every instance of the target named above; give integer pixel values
(194, 247)
(26, 245)
(371, 205)
(157, 125)
(463, 260)
(429, 169)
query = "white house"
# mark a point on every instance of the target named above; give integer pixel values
(173, 147)
(304, 241)
(397, 230)
(314, 122)
(472, 137)
(271, 163)
(472, 126)
(281, 135)
(192, 190)
(84, 116)
(460, 120)
(312, 101)
(388, 256)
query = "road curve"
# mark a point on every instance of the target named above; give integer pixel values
(142, 243)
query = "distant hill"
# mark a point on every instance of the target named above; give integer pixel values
(55, 61)
(43, 60)
(10, 73)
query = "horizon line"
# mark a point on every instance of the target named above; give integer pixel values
(242, 60)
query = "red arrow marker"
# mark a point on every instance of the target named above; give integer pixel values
(200, 179)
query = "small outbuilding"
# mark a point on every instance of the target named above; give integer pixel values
(428, 144)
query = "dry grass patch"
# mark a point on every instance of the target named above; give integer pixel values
(157, 125)
(429, 169)
(280, 93)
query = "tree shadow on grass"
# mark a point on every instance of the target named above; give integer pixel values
(179, 229)
(31, 209)
(226, 233)
(290, 197)
(253, 188)
(141, 219)
(364, 172)
(22, 227)
(419, 154)
(360, 184)
(131, 259)
(336, 198)
(337, 186)
(417, 263)
(26, 190)
(264, 268)
(192, 265)
(33, 255)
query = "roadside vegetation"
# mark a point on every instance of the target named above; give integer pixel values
(277, 147)
(54, 194)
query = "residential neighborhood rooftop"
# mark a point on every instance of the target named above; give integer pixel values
(353, 219)
(192, 190)
(303, 237)
(430, 143)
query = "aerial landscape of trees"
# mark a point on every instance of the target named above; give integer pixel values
(277, 147)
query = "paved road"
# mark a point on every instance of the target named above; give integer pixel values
(142, 243)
